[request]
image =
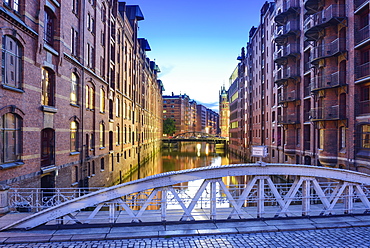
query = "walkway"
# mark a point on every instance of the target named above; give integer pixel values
(341, 231)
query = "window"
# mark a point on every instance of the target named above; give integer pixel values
(102, 101)
(117, 107)
(12, 62)
(49, 27)
(365, 136)
(74, 42)
(92, 98)
(118, 135)
(102, 138)
(74, 88)
(90, 56)
(14, 4)
(103, 13)
(342, 137)
(74, 136)
(11, 140)
(365, 100)
(47, 147)
(48, 87)
(92, 141)
(321, 138)
(102, 164)
(110, 140)
(75, 6)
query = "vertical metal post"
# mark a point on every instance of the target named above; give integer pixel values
(348, 199)
(213, 200)
(164, 204)
(260, 197)
(112, 211)
(306, 185)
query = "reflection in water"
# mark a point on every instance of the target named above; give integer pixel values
(188, 155)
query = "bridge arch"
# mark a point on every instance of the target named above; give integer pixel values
(349, 188)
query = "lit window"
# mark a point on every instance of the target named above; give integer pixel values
(102, 101)
(74, 136)
(74, 88)
(12, 62)
(11, 141)
(14, 4)
(117, 107)
(102, 138)
(48, 87)
(365, 136)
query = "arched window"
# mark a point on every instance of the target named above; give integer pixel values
(102, 101)
(48, 87)
(49, 26)
(74, 88)
(117, 107)
(102, 136)
(12, 62)
(11, 140)
(74, 136)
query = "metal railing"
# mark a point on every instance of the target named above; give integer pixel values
(287, 96)
(359, 3)
(326, 113)
(362, 70)
(254, 191)
(337, 11)
(327, 50)
(288, 50)
(362, 34)
(288, 119)
(333, 80)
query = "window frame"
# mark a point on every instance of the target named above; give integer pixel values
(48, 87)
(74, 89)
(8, 134)
(15, 56)
(74, 136)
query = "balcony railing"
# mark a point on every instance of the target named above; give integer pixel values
(288, 7)
(307, 66)
(326, 113)
(362, 35)
(286, 51)
(282, 32)
(363, 71)
(286, 73)
(365, 107)
(359, 3)
(328, 81)
(289, 96)
(327, 50)
(311, 6)
(332, 15)
(289, 119)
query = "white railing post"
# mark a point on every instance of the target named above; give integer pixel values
(260, 197)
(306, 185)
(164, 193)
(213, 200)
(4, 204)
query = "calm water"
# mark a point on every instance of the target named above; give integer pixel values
(186, 156)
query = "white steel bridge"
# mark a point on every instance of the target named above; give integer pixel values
(240, 191)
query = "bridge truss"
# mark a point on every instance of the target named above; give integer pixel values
(242, 191)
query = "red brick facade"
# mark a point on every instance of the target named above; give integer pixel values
(307, 87)
(80, 101)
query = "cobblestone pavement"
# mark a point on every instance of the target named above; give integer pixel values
(342, 237)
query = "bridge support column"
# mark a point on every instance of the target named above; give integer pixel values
(4, 207)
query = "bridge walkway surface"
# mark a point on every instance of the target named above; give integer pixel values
(193, 230)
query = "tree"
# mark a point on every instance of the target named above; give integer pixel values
(169, 126)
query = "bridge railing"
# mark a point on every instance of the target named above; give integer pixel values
(210, 193)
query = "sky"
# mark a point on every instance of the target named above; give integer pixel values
(196, 42)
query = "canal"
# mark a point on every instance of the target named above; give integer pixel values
(188, 155)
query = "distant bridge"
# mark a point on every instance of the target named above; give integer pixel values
(195, 137)
(242, 191)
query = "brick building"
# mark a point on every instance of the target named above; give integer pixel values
(188, 115)
(307, 83)
(80, 102)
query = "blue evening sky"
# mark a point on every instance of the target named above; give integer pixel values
(196, 42)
